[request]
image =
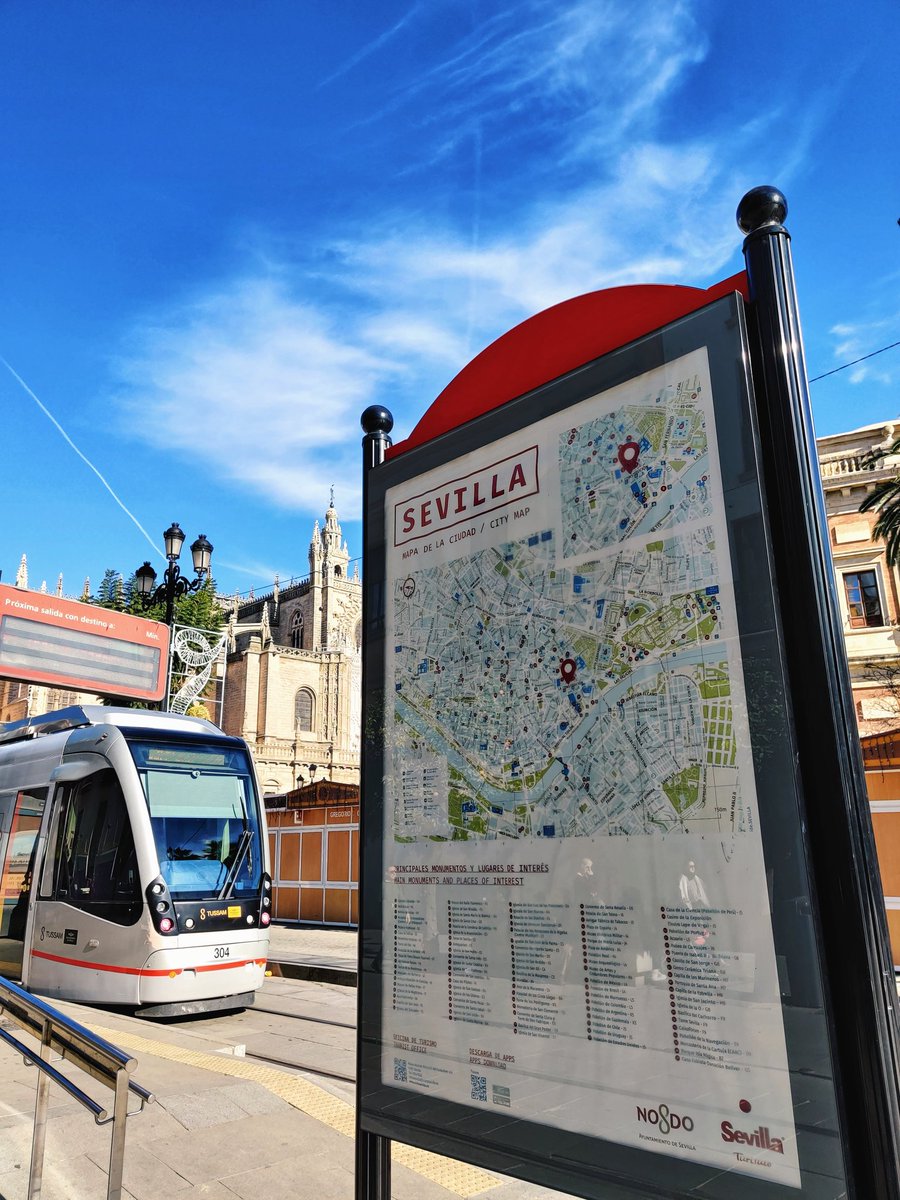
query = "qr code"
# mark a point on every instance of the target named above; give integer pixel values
(400, 1070)
(479, 1087)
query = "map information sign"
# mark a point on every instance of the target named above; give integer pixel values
(588, 892)
(577, 885)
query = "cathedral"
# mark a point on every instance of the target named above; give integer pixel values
(293, 679)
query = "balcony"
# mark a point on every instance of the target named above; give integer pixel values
(876, 642)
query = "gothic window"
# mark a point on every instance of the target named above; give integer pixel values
(297, 631)
(337, 571)
(304, 710)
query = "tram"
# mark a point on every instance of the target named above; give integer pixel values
(133, 861)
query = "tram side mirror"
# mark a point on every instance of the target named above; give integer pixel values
(70, 772)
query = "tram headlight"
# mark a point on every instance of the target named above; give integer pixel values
(264, 918)
(166, 925)
(157, 889)
(250, 918)
(266, 901)
(162, 906)
(267, 884)
(189, 923)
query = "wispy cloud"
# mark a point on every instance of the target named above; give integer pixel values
(855, 340)
(258, 385)
(571, 77)
(280, 361)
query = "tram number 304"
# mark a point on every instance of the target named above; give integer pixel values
(222, 952)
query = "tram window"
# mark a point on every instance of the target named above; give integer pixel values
(95, 866)
(15, 882)
(204, 817)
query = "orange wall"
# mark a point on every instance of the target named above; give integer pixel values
(884, 784)
(315, 865)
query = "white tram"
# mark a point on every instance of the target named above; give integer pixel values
(134, 861)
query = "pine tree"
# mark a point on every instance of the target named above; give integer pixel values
(199, 609)
(111, 592)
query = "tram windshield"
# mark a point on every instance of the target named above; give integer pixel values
(203, 813)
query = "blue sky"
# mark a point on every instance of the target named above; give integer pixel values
(226, 228)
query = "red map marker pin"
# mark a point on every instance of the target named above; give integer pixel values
(567, 668)
(628, 455)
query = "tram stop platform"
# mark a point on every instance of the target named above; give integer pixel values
(247, 1105)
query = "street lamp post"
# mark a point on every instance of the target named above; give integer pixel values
(174, 584)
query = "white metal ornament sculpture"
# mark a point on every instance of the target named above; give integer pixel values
(198, 650)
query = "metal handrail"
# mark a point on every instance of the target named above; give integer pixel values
(101, 1060)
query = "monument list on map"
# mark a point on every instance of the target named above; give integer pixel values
(577, 927)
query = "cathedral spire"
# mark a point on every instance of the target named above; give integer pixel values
(331, 534)
(22, 573)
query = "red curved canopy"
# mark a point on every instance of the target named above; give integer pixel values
(556, 341)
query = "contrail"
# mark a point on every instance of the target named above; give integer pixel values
(371, 47)
(50, 417)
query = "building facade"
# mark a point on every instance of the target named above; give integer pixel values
(293, 680)
(868, 595)
(868, 589)
(21, 700)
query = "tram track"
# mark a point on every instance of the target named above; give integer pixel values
(281, 1012)
(314, 972)
(305, 1068)
(201, 1031)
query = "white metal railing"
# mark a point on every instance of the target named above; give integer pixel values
(104, 1062)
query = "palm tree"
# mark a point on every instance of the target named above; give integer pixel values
(885, 500)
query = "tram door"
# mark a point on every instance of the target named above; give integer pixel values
(20, 823)
(87, 895)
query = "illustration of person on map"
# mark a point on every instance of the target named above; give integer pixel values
(693, 893)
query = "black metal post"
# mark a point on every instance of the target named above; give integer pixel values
(861, 998)
(373, 1152)
(171, 574)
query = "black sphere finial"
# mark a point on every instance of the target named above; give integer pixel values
(761, 206)
(377, 419)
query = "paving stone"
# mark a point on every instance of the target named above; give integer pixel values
(215, 1191)
(16, 1099)
(77, 1178)
(145, 1176)
(254, 1099)
(295, 1179)
(15, 1147)
(14, 1184)
(75, 1134)
(222, 1151)
(204, 1109)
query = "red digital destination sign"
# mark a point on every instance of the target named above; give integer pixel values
(45, 639)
